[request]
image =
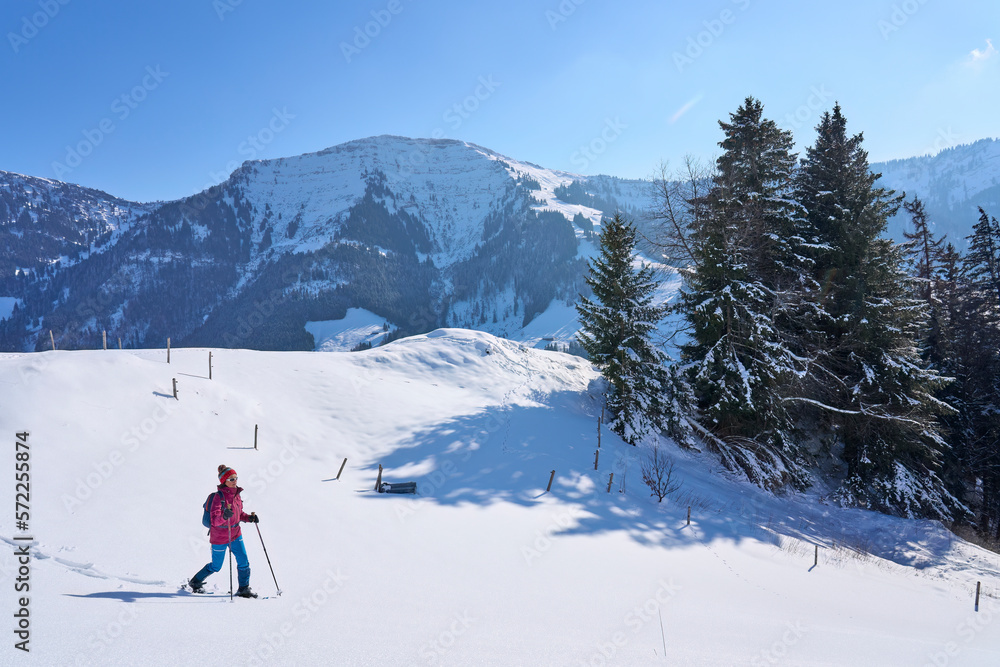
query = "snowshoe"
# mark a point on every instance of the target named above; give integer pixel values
(196, 586)
(245, 592)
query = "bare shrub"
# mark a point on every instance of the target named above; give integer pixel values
(658, 474)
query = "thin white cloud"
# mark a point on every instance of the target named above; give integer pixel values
(687, 107)
(980, 55)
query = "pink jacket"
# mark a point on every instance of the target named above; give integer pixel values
(223, 531)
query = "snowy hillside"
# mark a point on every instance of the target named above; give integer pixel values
(482, 567)
(44, 221)
(952, 184)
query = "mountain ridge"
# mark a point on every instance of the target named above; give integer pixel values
(421, 232)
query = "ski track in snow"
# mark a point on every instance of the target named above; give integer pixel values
(85, 569)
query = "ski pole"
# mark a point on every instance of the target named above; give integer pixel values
(230, 545)
(265, 554)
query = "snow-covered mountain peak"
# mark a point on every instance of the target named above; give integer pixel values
(449, 186)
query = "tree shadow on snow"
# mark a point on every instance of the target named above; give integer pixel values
(506, 454)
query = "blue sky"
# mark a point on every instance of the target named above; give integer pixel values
(158, 100)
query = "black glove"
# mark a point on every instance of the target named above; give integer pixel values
(227, 512)
(253, 518)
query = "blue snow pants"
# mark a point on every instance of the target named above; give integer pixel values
(219, 557)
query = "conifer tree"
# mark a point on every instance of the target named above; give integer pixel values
(976, 365)
(617, 326)
(867, 387)
(982, 262)
(927, 255)
(739, 294)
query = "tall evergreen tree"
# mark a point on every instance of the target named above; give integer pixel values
(982, 262)
(738, 293)
(977, 367)
(617, 326)
(929, 260)
(867, 387)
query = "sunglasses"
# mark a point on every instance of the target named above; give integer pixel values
(231, 479)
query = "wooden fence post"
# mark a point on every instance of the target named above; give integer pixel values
(209, 364)
(978, 584)
(598, 433)
(175, 388)
(255, 427)
(105, 339)
(689, 515)
(341, 469)
(378, 480)
(168, 350)
(816, 557)
(610, 479)
(597, 455)
(120, 343)
(551, 477)
(52, 338)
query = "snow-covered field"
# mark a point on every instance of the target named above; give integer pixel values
(482, 567)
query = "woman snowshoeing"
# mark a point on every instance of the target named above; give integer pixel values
(226, 512)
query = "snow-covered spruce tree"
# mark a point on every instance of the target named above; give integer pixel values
(867, 387)
(975, 363)
(740, 292)
(981, 267)
(616, 332)
(934, 268)
(926, 254)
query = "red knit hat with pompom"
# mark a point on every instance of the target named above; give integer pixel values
(225, 472)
